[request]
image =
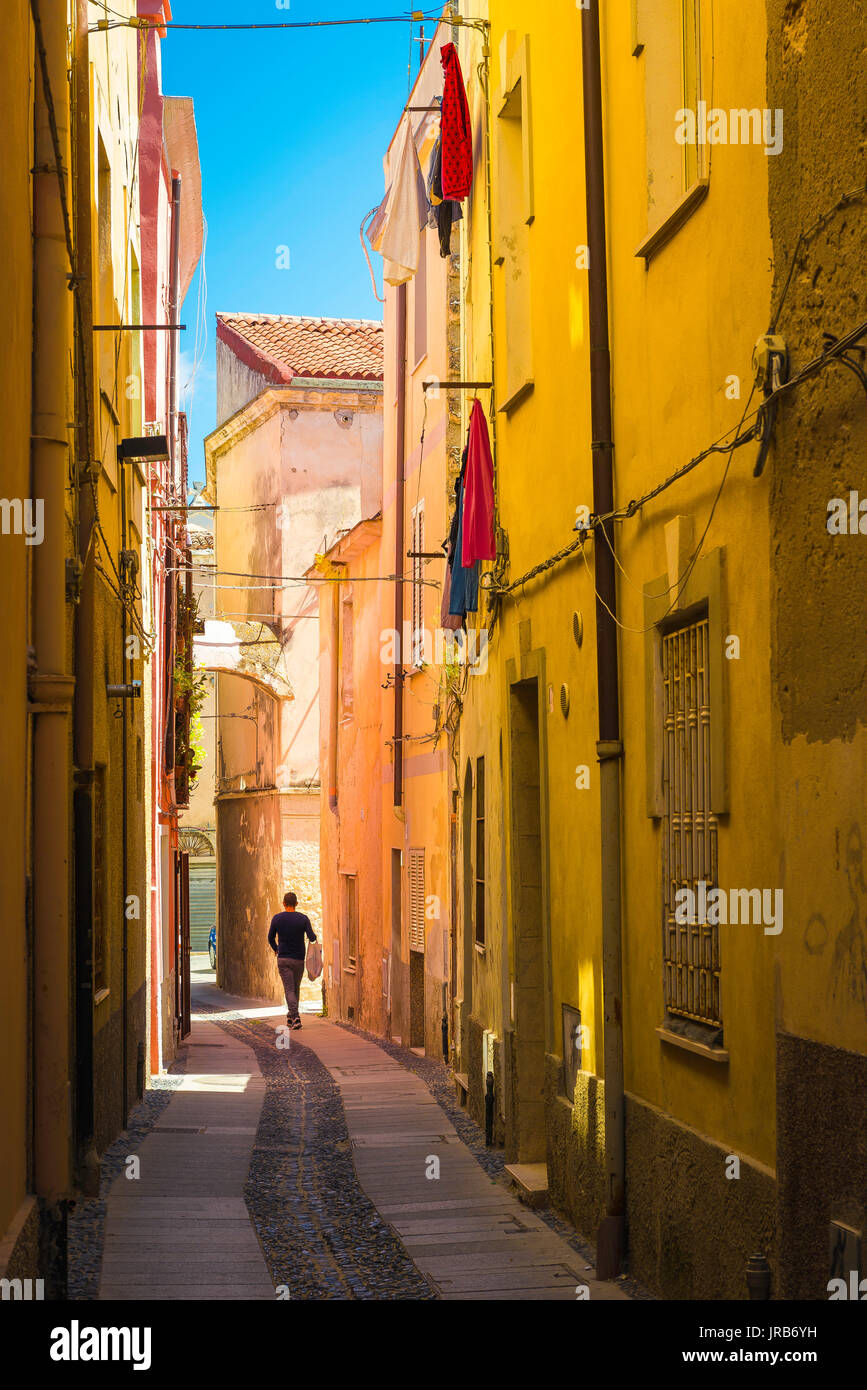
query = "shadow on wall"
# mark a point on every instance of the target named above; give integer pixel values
(249, 892)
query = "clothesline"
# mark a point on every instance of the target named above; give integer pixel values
(415, 17)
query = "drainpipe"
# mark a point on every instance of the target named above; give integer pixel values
(84, 640)
(174, 287)
(125, 588)
(399, 543)
(50, 683)
(611, 1237)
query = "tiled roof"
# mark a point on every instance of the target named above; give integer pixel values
(283, 347)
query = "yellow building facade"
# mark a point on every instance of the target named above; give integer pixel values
(73, 883)
(586, 960)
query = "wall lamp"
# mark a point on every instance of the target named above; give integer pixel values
(148, 446)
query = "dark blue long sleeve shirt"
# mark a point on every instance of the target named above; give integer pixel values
(287, 932)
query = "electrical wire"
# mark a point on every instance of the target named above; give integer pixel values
(361, 233)
(724, 445)
(411, 18)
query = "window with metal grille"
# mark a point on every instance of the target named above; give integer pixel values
(689, 828)
(418, 585)
(100, 935)
(480, 851)
(350, 919)
(416, 899)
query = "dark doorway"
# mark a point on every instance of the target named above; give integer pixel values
(527, 924)
(467, 925)
(394, 995)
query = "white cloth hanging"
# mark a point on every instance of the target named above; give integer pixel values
(396, 229)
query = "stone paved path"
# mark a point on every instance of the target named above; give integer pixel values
(182, 1229)
(470, 1237)
(435, 1224)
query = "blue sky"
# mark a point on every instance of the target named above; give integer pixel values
(292, 129)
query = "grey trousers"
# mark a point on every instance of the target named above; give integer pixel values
(290, 973)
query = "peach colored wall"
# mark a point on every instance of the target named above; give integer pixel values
(424, 821)
(309, 460)
(351, 833)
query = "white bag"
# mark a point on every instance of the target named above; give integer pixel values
(314, 960)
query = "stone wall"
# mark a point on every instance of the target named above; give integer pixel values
(692, 1229)
(576, 1147)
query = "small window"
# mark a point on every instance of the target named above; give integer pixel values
(420, 303)
(418, 565)
(691, 30)
(480, 851)
(350, 920)
(676, 71)
(347, 658)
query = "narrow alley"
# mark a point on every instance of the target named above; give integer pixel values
(433, 593)
(313, 1166)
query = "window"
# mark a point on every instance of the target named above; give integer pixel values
(100, 942)
(347, 658)
(480, 851)
(105, 269)
(416, 900)
(418, 585)
(515, 212)
(691, 958)
(420, 302)
(670, 35)
(350, 920)
(691, 44)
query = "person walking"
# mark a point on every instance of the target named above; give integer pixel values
(286, 938)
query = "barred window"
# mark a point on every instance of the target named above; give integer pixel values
(689, 827)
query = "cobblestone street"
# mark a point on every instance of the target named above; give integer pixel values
(321, 1170)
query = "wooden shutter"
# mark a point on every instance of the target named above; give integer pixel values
(416, 900)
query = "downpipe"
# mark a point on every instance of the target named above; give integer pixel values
(611, 1236)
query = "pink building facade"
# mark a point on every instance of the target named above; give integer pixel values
(171, 235)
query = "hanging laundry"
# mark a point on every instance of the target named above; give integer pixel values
(444, 212)
(457, 177)
(449, 621)
(477, 535)
(435, 175)
(396, 228)
(465, 578)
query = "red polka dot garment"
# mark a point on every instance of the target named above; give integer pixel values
(457, 137)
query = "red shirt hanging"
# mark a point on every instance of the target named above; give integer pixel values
(478, 528)
(457, 137)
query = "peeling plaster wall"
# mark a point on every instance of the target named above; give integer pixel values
(816, 74)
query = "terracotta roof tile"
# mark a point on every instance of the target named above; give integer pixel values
(284, 347)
